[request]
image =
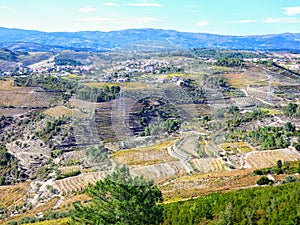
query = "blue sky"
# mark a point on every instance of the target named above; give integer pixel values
(232, 17)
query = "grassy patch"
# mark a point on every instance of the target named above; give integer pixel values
(271, 111)
(237, 147)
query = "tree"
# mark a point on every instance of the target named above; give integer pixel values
(264, 180)
(289, 127)
(290, 109)
(121, 199)
(279, 164)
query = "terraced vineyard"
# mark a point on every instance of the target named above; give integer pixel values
(236, 147)
(153, 154)
(208, 165)
(77, 183)
(260, 159)
(160, 172)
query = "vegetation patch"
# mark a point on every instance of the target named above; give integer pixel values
(267, 205)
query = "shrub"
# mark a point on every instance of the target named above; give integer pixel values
(264, 181)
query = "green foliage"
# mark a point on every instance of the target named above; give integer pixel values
(47, 82)
(98, 155)
(52, 128)
(291, 109)
(10, 171)
(296, 145)
(8, 55)
(69, 174)
(170, 126)
(289, 179)
(217, 53)
(279, 164)
(229, 62)
(267, 137)
(64, 61)
(264, 205)
(98, 94)
(264, 181)
(121, 199)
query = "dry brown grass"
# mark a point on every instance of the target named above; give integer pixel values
(58, 111)
(12, 194)
(7, 85)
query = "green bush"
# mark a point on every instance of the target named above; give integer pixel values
(264, 181)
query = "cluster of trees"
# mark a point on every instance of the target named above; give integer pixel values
(273, 137)
(170, 69)
(212, 53)
(47, 82)
(291, 110)
(51, 129)
(65, 61)
(267, 205)
(229, 62)
(169, 125)
(10, 172)
(267, 137)
(98, 155)
(103, 94)
(7, 55)
(234, 118)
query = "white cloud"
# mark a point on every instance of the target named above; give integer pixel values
(110, 4)
(281, 20)
(202, 23)
(87, 9)
(241, 21)
(145, 4)
(3, 7)
(290, 11)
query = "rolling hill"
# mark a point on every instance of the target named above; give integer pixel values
(141, 39)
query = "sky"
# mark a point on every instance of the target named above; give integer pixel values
(229, 17)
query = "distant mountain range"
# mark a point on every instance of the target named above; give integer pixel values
(141, 39)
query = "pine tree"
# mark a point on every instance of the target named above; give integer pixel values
(121, 199)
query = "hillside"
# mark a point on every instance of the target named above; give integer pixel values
(141, 39)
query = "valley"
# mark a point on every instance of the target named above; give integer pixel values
(195, 123)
